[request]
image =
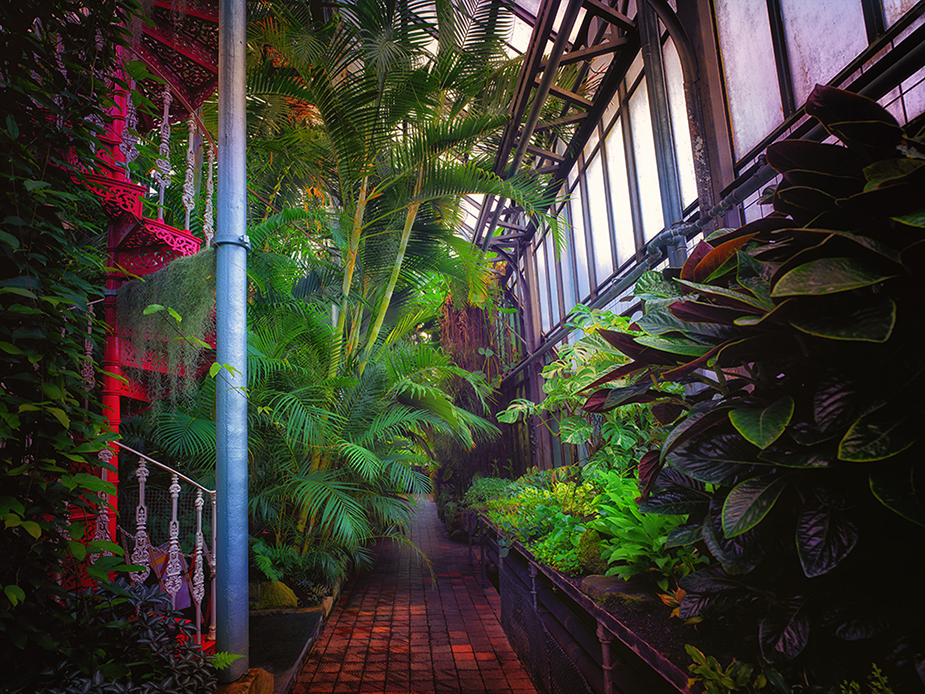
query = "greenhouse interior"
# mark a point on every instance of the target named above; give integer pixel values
(451, 346)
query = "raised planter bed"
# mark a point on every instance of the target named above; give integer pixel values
(572, 644)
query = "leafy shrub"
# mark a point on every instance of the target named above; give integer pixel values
(128, 639)
(484, 488)
(800, 453)
(589, 553)
(638, 542)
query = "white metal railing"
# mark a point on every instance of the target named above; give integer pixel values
(173, 572)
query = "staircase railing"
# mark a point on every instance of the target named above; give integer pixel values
(172, 576)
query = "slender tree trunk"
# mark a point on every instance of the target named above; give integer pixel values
(350, 262)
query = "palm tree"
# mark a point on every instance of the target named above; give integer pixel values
(406, 99)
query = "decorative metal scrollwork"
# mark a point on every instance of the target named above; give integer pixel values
(172, 580)
(140, 554)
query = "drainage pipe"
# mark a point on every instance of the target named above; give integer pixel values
(231, 246)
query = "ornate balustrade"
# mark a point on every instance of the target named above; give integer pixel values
(171, 577)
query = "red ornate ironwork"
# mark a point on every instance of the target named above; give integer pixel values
(180, 47)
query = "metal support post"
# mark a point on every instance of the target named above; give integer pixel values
(231, 341)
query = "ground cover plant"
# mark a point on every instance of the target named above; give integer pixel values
(798, 454)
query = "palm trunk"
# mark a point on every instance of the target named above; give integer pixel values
(350, 262)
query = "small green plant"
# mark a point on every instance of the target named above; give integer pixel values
(483, 489)
(738, 677)
(638, 542)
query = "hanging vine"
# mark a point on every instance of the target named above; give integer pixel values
(166, 318)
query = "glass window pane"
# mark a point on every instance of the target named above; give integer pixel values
(650, 202)
(620, 194)
(581, 246)
(542, 285)
(554, 261)
(894, 10)
(601, 247)
(751, 74)
(565, 264)
(677, 105)
(813, 61)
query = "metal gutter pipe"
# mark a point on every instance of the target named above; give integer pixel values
(231, 245)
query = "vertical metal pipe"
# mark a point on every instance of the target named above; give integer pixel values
(231, 332)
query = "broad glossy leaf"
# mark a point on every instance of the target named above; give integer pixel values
(666, 412)
(674, 345)
(704, 469)
(829, 276)
(802, 203)
(647, 469)
(789, 155)
(608, 398)
(855, 119)
(654, 285)
(859, 622)
(665, 320)
(684, 535)
(698, 312)
(739, 554)
(701, 250)
(895, 489)
(859, 320)
(763, 426)
(870, 243)
(913, 219)
(888, 170)
(755, 275)
(824, 537)
(798, 456)
(784, 632)
(627, 345)
(750, 501)
(676, 495)
(779, 314)
(730, 297)
(620, 372)
(700, 417)
(709, 580)
(712, 264)
(881, 434)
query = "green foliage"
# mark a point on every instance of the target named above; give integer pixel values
(52, 228)
(799, 455)
(637, 542)
(127, 639)
(613, 439)
(168, 315)
(483, 489)
(589, 553)
(738, 677)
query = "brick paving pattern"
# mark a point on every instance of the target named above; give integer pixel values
(394, 630)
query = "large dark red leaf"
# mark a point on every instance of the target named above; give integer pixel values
(647, 470)
(855, 120)
(697, 312)
(666, 412)
(806, 155)
(824, 537)
(715, 259)
(701, 250)
(784, 632)
(619, 372)
(626, 344)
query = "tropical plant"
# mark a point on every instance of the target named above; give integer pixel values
(799, 453)
(127, 639)
(55, 60)
(613, 438)
(404, 100)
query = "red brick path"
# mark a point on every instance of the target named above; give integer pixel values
(395, 631)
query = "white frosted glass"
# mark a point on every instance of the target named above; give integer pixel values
(914, 95)
(565, 266)
(542, 285)
(650, 200)
(581, 247)
(520, 37)
(620, 194)
(894, 10)
(634, 71)
(751, 75)
(601, 249)
(822, 37)
(554, 260)
(593, 139)
(677, 105)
